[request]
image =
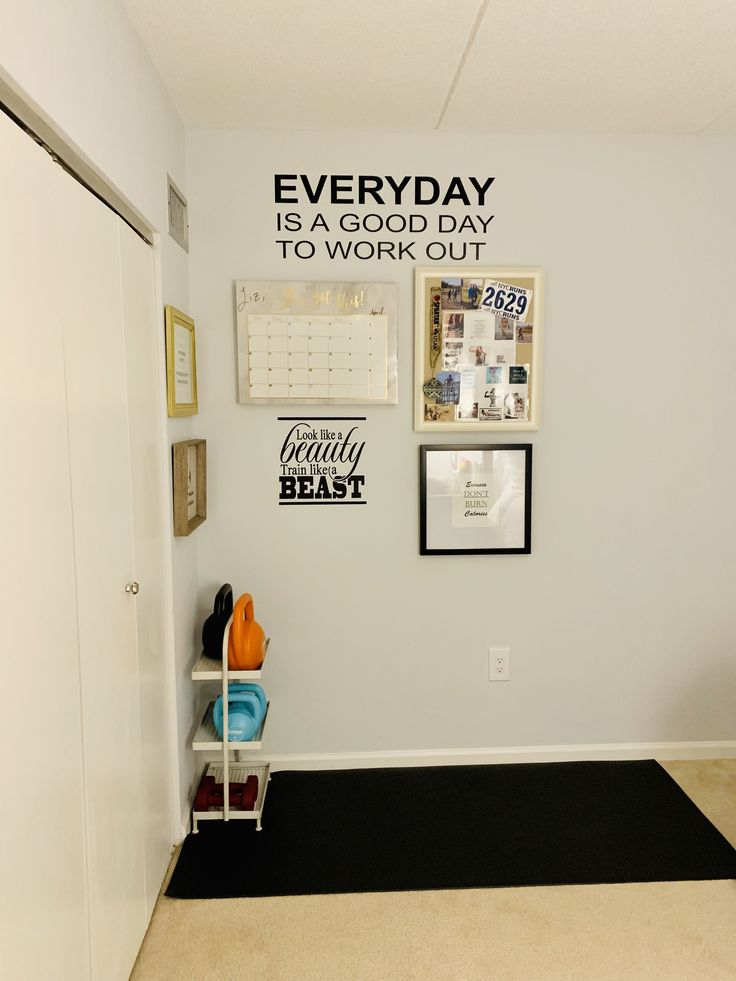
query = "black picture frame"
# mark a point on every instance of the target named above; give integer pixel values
(451, 523)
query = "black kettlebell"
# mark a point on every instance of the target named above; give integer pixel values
(213, 629)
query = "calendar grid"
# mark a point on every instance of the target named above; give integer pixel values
(317, 357)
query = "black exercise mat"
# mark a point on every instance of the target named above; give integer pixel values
(457, 827)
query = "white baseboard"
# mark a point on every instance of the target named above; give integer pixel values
(506, 754)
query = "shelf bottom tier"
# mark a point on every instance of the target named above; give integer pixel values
(238, 773)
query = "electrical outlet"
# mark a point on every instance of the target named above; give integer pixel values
(499, 664)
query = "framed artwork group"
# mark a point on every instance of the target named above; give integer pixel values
(478, 359)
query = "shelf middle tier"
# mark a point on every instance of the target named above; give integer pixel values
(207, 738)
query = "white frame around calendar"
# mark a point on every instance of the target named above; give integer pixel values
(327, 303)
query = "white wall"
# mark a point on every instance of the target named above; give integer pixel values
(83, 68)
(621, 622)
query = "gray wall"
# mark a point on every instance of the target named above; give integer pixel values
(621, 622)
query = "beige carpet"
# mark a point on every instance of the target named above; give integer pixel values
(632, 932)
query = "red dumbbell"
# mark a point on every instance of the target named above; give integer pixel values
(243, 796)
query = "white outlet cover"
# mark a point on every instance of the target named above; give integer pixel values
(499, 664)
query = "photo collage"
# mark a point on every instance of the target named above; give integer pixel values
(479, 351)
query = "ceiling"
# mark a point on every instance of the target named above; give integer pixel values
(495, 66)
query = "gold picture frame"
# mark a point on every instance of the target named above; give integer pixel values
(181, 364)
(189, 461)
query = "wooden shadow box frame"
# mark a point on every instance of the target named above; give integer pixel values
(189, 459)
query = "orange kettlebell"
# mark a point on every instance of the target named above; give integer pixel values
(246, 647)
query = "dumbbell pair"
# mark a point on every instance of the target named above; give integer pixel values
(246, 707)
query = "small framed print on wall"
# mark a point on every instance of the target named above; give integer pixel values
(475, 498)
(189, 460)
(181, 364)
(478, 348)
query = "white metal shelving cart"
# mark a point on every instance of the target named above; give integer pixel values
(207, 739)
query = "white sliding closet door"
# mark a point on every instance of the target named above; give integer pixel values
(91, 306)
(151, 536)
(43, 906)
(85, 821)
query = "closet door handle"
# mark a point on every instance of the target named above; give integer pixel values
(132, 587)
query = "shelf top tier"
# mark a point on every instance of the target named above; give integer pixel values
(208, 669)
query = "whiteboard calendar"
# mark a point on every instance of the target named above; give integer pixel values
(316, 342)
(304, 357)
